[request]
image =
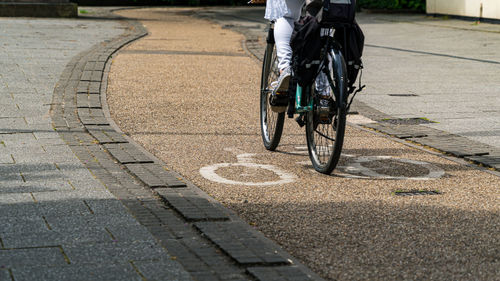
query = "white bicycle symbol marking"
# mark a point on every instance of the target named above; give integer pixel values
(434, 172)
(245, 160)
(357, 171)
(354, 170)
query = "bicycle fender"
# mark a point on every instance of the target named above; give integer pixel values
(339, 68)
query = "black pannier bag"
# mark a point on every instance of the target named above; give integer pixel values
(306, 47)
(352, 40)
(340, 14)
(338, 11)
(306, 39)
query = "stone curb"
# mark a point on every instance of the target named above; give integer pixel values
(209, 240)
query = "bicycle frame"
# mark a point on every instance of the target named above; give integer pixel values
(298, 98)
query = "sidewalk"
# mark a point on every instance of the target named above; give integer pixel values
(57, 220)
(78, 200)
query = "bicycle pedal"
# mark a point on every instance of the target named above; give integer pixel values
(300, 121)
(278, 103)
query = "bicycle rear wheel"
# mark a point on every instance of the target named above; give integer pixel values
(271, 123)
(325, 136)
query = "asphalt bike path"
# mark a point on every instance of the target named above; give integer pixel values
(188, 93)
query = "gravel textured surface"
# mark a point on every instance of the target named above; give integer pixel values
(189, 94)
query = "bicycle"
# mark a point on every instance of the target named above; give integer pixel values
(325, 129)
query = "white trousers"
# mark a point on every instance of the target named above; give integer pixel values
(283, 28)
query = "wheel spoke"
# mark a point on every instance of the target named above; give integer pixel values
(325, 139)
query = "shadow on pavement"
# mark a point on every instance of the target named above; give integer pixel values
(370, 240)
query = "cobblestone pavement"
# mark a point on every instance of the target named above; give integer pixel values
(188, 92)
(57, 221)
(421, 85)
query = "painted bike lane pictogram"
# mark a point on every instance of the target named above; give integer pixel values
(355, 167)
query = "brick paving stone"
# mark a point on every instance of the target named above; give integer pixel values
(240, 244)
(106, 134)
(190, 205)
(126, 153)
(154, 175)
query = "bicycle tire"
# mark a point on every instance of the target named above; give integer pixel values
(325, 140)
(271, 123)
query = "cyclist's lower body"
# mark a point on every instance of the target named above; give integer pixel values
(284, 13)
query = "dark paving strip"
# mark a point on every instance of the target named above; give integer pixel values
(155, 176)
(432, 54)
(162, 52)
(165, 204)
(191, 205)
(241, 244)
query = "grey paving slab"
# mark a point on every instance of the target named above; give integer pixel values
(6, 158)
(30, 210)
(97, 253)
(122, 271)
(13, 125)
(89, 197)
(15, 225)
(33, 256)
(26, 158)
(89, 220)
(48, 237)
(25, 187)
(5, 275)
(158, 270)
(129, 233)
(16, 198)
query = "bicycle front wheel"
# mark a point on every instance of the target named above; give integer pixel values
(271, 123)
(325, 134)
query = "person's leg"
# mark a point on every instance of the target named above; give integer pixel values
(283, 29)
